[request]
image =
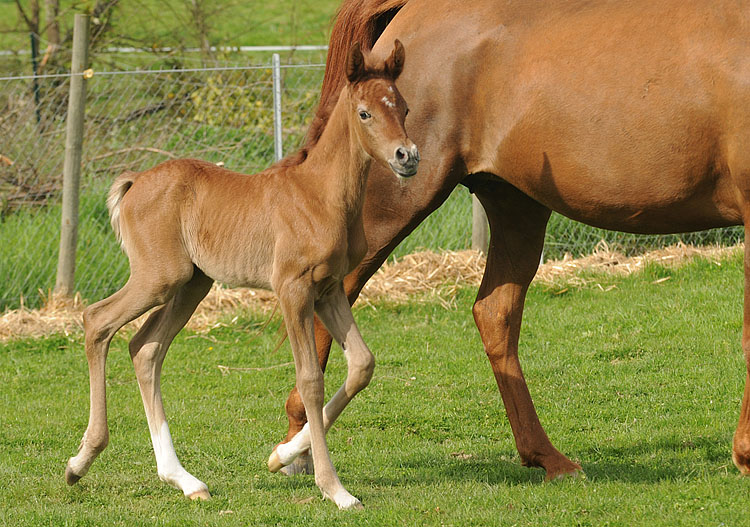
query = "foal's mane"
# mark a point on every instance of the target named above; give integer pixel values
(360, 21)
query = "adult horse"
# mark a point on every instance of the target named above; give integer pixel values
(630, 115)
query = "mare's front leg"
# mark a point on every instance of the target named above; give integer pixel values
(517, 226)
(334, 311)
(741, 442)
(296, 300)
(147, 349)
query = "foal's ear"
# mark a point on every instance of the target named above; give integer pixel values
(395, 63)
(355, 64)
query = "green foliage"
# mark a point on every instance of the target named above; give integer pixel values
(641, 384)
(230, 99)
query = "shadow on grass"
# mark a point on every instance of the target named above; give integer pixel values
(662, 459)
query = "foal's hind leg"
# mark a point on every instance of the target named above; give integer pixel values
(336, 314)
(147, 350)
(517, 225)
(101, 321)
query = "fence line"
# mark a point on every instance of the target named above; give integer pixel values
(213, 49)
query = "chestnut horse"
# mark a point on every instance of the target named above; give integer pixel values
(630, 115)
(296, 229)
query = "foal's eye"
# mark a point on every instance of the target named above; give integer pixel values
(364, 115)
(407, 112)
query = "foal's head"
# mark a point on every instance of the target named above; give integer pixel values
(378, 111)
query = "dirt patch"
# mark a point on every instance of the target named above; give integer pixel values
(424, 276)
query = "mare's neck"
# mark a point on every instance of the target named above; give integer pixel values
(338, 164)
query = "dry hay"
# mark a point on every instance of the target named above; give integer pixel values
(421, 276)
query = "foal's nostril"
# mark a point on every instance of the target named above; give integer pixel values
(401, 154)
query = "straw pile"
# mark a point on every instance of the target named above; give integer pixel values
(424, 276)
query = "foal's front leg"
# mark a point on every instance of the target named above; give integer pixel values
(296, 300)
(334, 311)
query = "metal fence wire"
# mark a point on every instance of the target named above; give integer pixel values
(137, 118)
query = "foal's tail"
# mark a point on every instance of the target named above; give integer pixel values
(116, 193)
(361, 21)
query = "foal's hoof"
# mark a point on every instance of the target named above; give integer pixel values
(274, 462)
(345, 501)
(303, 464)
(71, 478)
(202, 495)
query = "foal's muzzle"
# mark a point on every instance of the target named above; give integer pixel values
(405, 161)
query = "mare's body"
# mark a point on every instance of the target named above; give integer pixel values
(624, 114)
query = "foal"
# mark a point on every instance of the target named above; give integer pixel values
(294, 229)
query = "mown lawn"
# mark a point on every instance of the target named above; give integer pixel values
(640, 383)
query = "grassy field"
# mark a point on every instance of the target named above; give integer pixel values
(640, 383)
(167, 23)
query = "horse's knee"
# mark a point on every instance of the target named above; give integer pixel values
(495, 323)
(360, 372)
(98, 330)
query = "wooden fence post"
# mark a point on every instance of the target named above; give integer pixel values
(66, 262)
(480, 232)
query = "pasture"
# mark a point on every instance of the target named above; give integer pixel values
(638, 378)
(169, 22)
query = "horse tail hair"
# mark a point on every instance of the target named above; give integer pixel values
(120, 186)
(360, 21)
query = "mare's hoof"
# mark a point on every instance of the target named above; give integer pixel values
(71, 478)
(202, 495)
(565, 470)
(575, 474)
(742, 462)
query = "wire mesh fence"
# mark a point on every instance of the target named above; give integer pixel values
(143, 111)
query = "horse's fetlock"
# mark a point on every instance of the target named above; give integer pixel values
(96, 442)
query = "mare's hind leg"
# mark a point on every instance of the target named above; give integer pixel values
(147, 350)
(334, 311)
(101, 321)
(738, 162)
(517, 226)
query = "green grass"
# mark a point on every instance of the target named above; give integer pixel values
(166, 23)
(641, 384)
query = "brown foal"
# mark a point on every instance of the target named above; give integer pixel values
(294, 228)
